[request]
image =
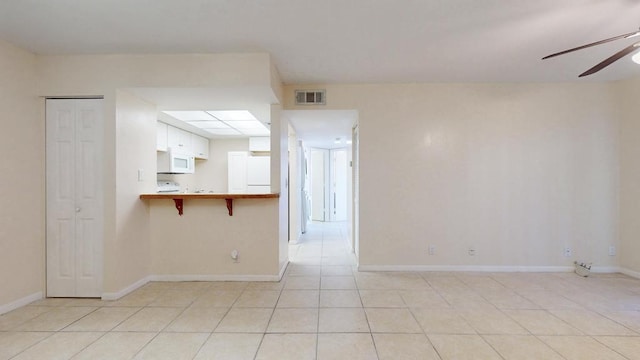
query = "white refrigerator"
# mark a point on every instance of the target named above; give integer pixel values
(259, 175)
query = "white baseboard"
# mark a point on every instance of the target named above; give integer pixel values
(143, 281)
(20, 302)
(216, 277)
(125, 291)
(630, 272)
(467, 268)
(605, 269)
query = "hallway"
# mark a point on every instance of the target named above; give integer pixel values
(324, 243)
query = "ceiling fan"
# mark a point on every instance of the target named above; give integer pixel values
(608, 61)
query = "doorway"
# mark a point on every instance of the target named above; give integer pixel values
(329, 184)
(323, 159)
(74, 184)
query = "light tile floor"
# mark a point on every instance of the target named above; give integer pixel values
(324, 309)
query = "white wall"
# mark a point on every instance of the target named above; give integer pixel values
(198, 244)
(294, 185)
(517, 171)
(629, 251)
(22, 190)
(130, 258)
(280, 178)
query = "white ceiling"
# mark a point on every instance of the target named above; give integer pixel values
(345, 41)
(321, 128)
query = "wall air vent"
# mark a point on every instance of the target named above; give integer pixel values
(310, 97)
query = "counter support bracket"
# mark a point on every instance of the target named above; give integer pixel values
(229, 206)
(178, 199)
(179, 205)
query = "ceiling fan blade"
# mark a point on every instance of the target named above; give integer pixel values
(623, 36)
(611, 59)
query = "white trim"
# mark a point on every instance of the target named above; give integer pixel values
(605, 269)
(216, 277)
(20, 302)
(470, 268)
(127, 290)
(630, 272)
(143, 281)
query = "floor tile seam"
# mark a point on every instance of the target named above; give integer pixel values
(637, 333)
(475, 328)
(521, 324)
(366, 317)
(146, 343)
(223, 317)
(91, 343)
(204, 343)
(604, 316)
(50, 308)
(51, 333)
(592, 337)
(491, 345)
(73, 322)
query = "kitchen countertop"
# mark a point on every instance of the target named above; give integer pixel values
(179, 198)
(207, 196)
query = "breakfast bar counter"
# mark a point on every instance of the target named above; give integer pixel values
(179, 198)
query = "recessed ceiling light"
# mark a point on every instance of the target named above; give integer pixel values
(246, 124)
(211, 124)
(189, 115)
(224, 131)
(233, 115)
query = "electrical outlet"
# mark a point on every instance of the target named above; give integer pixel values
(568, 252)
(472, 251)
(432, 250)
(612, 250)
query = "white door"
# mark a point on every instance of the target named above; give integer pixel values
(355, 158)
(74, 154)
(237, 172)
(318, 181)
(339, 182)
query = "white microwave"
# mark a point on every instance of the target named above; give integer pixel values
(175, 162)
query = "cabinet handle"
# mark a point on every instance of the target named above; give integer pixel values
(78, 209)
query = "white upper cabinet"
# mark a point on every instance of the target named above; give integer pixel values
(260, 143)
(179, 140)
(200, 146)
(161, 142)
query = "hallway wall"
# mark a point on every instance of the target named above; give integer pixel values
(22, 192)
(516, 172)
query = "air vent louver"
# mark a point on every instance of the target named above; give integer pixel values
(310, 97)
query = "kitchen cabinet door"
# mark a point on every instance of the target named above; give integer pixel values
(161, 142)
(200, 146)
(179, 140)
(260, 143)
